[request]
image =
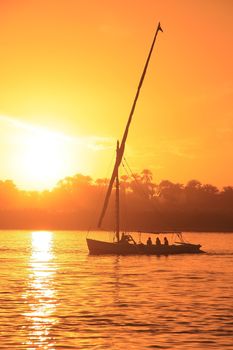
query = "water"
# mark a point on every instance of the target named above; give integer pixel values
(53, 295)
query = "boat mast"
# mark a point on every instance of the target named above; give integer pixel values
(123, 141)
(117, 199)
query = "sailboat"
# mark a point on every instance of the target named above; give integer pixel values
(124, 243)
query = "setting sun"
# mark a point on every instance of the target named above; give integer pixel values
(44, 158)
(38, 158)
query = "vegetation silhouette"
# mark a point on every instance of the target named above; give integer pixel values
(75, 203)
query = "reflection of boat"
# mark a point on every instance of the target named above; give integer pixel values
(124, 243)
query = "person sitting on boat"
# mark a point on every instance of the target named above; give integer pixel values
(124, 238)
(158, 242)
(166, 241)
(149, 242)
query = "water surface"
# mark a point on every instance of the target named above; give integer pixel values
(54, 295)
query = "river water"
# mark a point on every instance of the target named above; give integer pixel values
(53, 295)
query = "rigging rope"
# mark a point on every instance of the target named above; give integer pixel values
(150, 201)
(135, 179)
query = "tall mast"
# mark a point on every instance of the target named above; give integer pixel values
(117, 199)
(122, 145)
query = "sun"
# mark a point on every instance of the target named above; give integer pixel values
(36, 157)
(42, 157)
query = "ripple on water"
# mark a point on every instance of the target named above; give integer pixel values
(55, 296)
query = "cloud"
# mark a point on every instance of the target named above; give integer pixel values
(97, 143)
(185, 148)
(94, 143)
(38, 130)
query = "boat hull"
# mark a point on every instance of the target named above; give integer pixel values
(101, 248)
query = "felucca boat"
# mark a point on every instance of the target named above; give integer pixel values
(123, 243)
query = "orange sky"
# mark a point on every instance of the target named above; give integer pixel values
(69, 71)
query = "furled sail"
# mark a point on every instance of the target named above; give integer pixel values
(122, 145)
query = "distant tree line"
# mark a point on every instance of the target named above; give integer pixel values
(75, 203)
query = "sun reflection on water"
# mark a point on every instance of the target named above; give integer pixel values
(41, 295)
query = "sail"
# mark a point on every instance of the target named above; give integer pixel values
(123, 141)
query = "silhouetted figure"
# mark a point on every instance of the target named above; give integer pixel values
(166, 241)
(158, 242)
(149, 242)
(124, 238)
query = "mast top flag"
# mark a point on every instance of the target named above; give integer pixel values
(123, 141)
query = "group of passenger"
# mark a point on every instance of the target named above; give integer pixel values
(157, 242)
(126, 238)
